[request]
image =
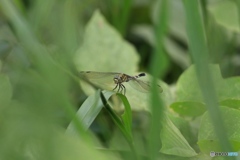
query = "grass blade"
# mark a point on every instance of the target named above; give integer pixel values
(127, 115)
(89, 110)
(122, 123)
(158, 60)
(199, 51)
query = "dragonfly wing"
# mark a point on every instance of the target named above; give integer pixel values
(97, 75)
(143, 86)
(103, 80)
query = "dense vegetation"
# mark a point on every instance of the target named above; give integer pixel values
(189, 47)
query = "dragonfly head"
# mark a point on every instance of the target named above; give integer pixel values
(116, 80)
(120, 78)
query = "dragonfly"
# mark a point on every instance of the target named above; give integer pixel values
(109, 79)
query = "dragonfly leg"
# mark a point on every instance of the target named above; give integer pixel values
(115, 87)
(124, 89)
(119, 87)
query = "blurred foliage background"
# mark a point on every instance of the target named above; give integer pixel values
(45, 43)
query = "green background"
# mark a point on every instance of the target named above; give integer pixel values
(188, 47)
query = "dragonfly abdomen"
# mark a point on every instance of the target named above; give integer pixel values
(140, 75)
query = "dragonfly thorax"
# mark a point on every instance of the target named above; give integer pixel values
(120, 78)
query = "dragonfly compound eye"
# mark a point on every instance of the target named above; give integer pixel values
(116, 81)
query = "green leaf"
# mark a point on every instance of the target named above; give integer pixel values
(189, 108)
(173, 142)
(207, 139)
(185, 129)
(222, 11)
(122, 124)
(230, 89)
(127, 115)
(187, 85)
(104, 49)
(124, 128)
(233, 103)
(189, 100)
(5, 91)
(89, 110)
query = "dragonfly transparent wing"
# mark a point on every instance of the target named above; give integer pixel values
(103, 80)
(98, 75)
(142, 86)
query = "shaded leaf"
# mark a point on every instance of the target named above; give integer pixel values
(207, 139)
(222, 11)
(173, 142)
(185, 129)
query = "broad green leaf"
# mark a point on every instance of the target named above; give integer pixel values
(231, 97)
(185, 129)
(5, 91)
(173, 142)
(189, 108)
(233, 103)
(230, 89)
(207, 139)
(222, 11)
(89, 110)
(104, 49)
(189, 101)
(187, 85)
